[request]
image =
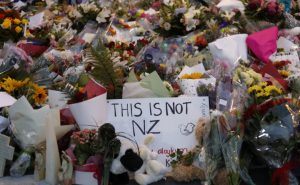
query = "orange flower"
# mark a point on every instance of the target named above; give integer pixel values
(39, 95)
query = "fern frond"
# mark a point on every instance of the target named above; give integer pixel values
(103, 70)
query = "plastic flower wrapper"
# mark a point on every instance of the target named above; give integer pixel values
(190, 78)
(271, 128)
(15, 62)
(33, 48)
(163, 56)
(263, 43)
(90, 112)
(54, 64)
(29, 127)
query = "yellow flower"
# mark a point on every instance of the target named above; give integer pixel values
(254, 89)
(185, 76)
(39, 95)
(18, 29)
(17, 21)
(284, 73)
(260, 94)
(6, 24)
(271, 89)
(192, 76)
(25, 21)
(263, 84)
(196, 75)
(10, 85)
(28, 34)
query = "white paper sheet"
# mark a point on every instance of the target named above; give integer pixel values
(230, 5)
(229, 48)
(286, 44)
(90, 113)
(6, 100)
(36, 21)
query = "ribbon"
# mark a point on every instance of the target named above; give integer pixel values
(281, 175)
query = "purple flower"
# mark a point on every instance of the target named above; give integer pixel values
(223, 24)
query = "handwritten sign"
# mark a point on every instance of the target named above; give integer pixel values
(171, 120)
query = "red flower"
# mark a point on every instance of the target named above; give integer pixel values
(156, 5)
(201, 41)
(143, 41)
(272, 8)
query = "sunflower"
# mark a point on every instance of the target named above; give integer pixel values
(10, 84)
(39, 95)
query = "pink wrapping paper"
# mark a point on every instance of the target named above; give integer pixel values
(263, 43)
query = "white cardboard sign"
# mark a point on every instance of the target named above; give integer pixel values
(171, 120)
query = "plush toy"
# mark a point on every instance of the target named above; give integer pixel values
(127, 160)
(152, 170)
(139, 161)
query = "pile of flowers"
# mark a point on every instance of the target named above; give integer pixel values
(66, 58)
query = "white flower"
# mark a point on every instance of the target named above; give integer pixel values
(167, 26)
(75, 14)
(89, 7)
(211, 24)
(228, 15)
(101, 17)
(189, 20)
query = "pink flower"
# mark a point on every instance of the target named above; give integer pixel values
(156, 5)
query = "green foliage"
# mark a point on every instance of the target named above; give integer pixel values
(103, 70)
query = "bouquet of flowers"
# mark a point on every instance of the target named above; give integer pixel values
(35, 94)
(13, 26)
(270, 11)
